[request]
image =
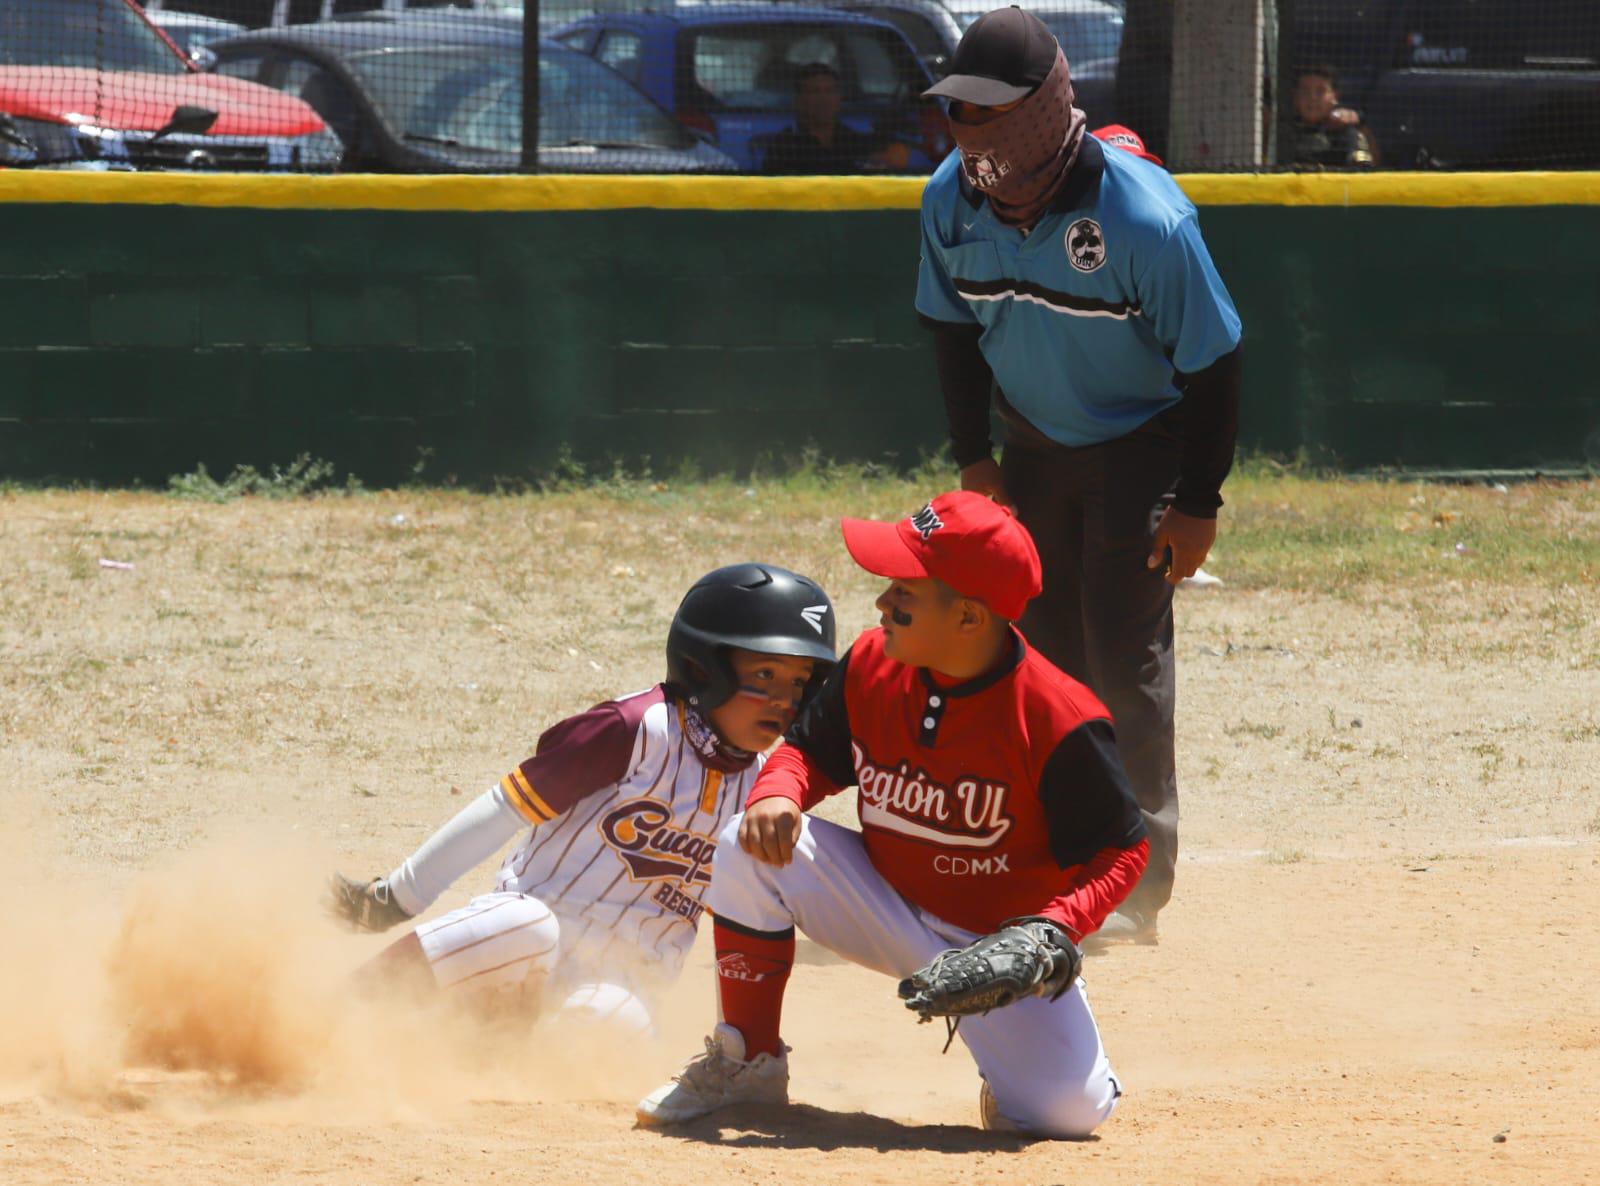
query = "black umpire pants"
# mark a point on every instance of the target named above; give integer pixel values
(1103, 617)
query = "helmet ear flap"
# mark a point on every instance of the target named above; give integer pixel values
(698, 669)
(709, 688)
(720, 684)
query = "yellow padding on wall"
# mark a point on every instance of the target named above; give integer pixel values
(1392, 189)
(562, 192)
(510, 192)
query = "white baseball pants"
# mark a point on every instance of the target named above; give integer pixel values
(1042, 1059)
(509, 942)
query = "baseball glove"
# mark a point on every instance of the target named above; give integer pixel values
(1027, 957)
(364, 907)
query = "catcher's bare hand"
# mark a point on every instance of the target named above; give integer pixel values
(770, 830)
(1028, 957)
(365, 906)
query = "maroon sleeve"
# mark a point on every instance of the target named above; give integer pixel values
(577, 757)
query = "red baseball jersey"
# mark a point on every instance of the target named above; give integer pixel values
(980, 801)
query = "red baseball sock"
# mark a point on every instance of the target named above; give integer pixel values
(752, 970)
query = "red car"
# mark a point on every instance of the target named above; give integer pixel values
(93, 83)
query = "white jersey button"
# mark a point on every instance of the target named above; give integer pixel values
(928, 722)
(934, 702)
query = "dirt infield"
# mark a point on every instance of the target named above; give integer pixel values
(1379, 967)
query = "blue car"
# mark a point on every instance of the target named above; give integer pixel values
(729, 73)
(444, 95)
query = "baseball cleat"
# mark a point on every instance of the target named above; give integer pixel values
(989, 1113)
(717, 1079)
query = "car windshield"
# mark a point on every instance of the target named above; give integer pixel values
(471, 97)
(1085, 36)
(755, 67)
(91, 34)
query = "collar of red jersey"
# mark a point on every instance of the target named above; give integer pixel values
(984, 682)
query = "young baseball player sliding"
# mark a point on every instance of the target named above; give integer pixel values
(620, 806)
(997, 830)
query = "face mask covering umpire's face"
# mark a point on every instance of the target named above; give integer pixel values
(1019, 159)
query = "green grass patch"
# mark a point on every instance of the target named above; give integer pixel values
(1291, 528)
(1285, 526)
(302, 476)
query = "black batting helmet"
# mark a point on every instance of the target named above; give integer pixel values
(759, 607)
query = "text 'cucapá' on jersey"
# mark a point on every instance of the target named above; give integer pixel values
(625, 802)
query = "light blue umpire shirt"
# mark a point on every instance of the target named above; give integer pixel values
(1087, 316)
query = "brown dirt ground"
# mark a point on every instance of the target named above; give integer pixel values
(1380, 965)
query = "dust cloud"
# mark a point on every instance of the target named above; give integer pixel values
(216, 979)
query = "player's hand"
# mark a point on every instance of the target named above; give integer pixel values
(770, 830)
(1189, 539)
(364, 906)
(983, 477)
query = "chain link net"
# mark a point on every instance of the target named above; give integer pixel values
(423, 86)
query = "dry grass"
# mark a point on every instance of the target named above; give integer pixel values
(371, 645)
(1387, 753)
(1345, 535)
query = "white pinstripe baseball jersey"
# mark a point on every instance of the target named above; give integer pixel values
(624, 866)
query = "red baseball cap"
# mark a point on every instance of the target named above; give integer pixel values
(1126, 139)
(969, 542)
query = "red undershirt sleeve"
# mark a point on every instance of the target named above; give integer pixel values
(1097, 833)
(1097, 889)
(793, 775)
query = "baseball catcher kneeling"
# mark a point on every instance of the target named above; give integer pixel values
(998, 829)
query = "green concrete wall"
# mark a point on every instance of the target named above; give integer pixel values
(138, 341)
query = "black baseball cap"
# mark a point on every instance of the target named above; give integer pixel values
(1004, 56)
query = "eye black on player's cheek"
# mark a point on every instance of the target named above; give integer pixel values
(889, 602)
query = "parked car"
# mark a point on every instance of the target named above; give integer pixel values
(428, 97)
(729, 72)
(553, 14)
(1090, 33)
(262, 14)
(1491, 84)
(94, 83)
(190, 32)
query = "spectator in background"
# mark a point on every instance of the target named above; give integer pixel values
(1325, 131)
(819, 143)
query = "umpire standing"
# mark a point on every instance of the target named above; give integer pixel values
(1071, 285)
